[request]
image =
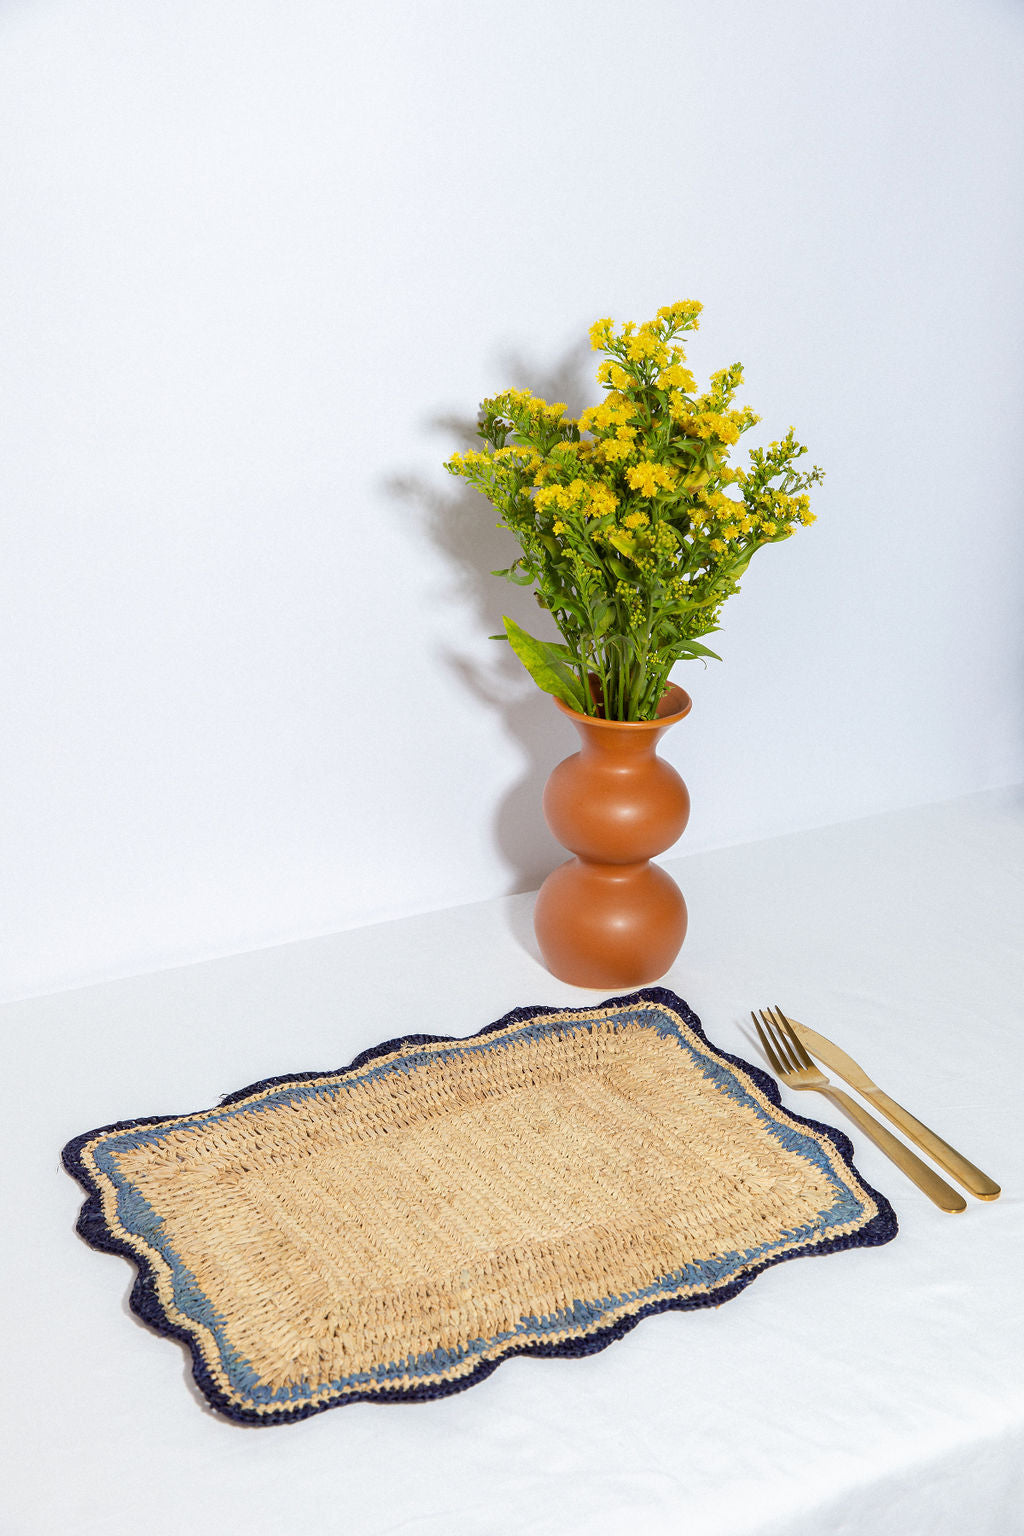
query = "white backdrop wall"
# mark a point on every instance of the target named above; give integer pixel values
(259, 263)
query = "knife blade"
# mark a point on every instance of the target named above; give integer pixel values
(946, 1156)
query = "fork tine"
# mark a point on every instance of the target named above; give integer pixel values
(782, 1034)
(793, 1040)
(779, 1045)
(778, 1039)
(774, 1060)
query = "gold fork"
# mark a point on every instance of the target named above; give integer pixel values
(791, 1062)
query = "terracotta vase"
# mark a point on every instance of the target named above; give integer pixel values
(609, 917)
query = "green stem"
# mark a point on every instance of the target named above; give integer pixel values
(584, 671)
(602, 672)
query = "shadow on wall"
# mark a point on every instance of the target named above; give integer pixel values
(463, 526)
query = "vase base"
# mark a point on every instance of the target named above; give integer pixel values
(609, 925)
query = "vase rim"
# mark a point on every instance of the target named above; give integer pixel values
(678, 699)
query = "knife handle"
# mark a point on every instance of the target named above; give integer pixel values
(926, 1179)
(946, 1156)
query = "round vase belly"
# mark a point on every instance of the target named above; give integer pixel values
(608, 917)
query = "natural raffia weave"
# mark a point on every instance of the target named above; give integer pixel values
(391, 1231)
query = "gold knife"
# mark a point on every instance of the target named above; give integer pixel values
(946, 1156)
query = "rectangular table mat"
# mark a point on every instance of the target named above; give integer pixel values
(392, 1230)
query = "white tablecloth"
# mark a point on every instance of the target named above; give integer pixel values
(877, 1392)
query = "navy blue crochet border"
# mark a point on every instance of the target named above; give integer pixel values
(92, 1225)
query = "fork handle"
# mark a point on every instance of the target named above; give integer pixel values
(926, 1179)
(946, 1156)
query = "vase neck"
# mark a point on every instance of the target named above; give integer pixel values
(613, 739)
(628, 740)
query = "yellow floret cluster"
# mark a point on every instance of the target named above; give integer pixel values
(648, 478)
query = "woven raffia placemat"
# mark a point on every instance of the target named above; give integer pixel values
(392, 1230)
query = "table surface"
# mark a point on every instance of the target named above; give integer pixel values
(874, 1391)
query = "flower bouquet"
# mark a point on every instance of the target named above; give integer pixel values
(633, 526)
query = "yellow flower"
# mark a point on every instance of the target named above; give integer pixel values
(680, 409)
(612, 373)
(558, 527)
(685, 311)
(708, 424)
(677, 377)
(602, 501)
(597, 418)
(600, 334)
(611, 450)
(642, 478)
(636, 520)
(648, 478)
(613, 412)
(564, 498)
(644, 345)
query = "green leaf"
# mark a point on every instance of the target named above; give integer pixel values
(738, 567)
(687, 650)
(547, 664)
(517, 574)
(604, 617)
